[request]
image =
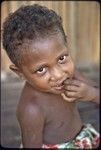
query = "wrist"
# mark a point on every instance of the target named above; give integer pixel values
(95, 95)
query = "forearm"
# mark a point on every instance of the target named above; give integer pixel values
(96, 97)
(80, 88)
(92, 83)
(94, 92)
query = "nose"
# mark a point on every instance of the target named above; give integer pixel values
(57, 74)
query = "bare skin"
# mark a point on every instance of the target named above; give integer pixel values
(48, 120)
(52, 119)
(45, 117)
(81, 88)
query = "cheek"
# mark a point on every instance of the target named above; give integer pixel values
(69, 67)
(72, 67)
(40, 82)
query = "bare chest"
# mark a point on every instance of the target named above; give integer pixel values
(62, 118)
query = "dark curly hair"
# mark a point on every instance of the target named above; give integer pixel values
(26, 24)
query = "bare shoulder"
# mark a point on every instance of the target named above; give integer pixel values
(27, 105)
(27, 93)
(31, 119)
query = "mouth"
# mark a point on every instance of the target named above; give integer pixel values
(60, 86)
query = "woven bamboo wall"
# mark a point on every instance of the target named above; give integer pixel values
(81, 20)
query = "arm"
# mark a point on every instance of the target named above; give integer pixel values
(93, 89)
(31, 121)
(81, 88)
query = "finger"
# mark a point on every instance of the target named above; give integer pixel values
(67, 98)
(71, 88)
(72, 82)
(71, 94)
(68, 81)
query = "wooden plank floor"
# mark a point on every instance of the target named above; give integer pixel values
(10, 132)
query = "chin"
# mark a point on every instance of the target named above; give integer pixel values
(58, 92)
(52, 91)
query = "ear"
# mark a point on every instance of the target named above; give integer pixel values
(16, 70)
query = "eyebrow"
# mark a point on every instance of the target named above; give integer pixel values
(62, 53)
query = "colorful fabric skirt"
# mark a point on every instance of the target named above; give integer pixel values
(88, 138)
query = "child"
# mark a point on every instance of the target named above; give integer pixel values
(35, 41)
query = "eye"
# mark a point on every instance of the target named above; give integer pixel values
(41, 70)
(62, 59)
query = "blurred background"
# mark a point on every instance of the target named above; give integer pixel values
(81, 21)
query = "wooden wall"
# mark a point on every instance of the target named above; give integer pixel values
(81, 20)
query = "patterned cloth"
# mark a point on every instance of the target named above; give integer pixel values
(88, 138)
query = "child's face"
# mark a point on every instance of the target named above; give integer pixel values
(48, 65)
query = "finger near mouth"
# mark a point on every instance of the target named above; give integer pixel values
(59, 87)
(68, 81)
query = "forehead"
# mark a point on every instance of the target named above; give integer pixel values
(44, 49)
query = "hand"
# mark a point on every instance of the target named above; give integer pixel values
(76, 89)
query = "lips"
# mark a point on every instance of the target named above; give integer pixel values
(59, 86)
